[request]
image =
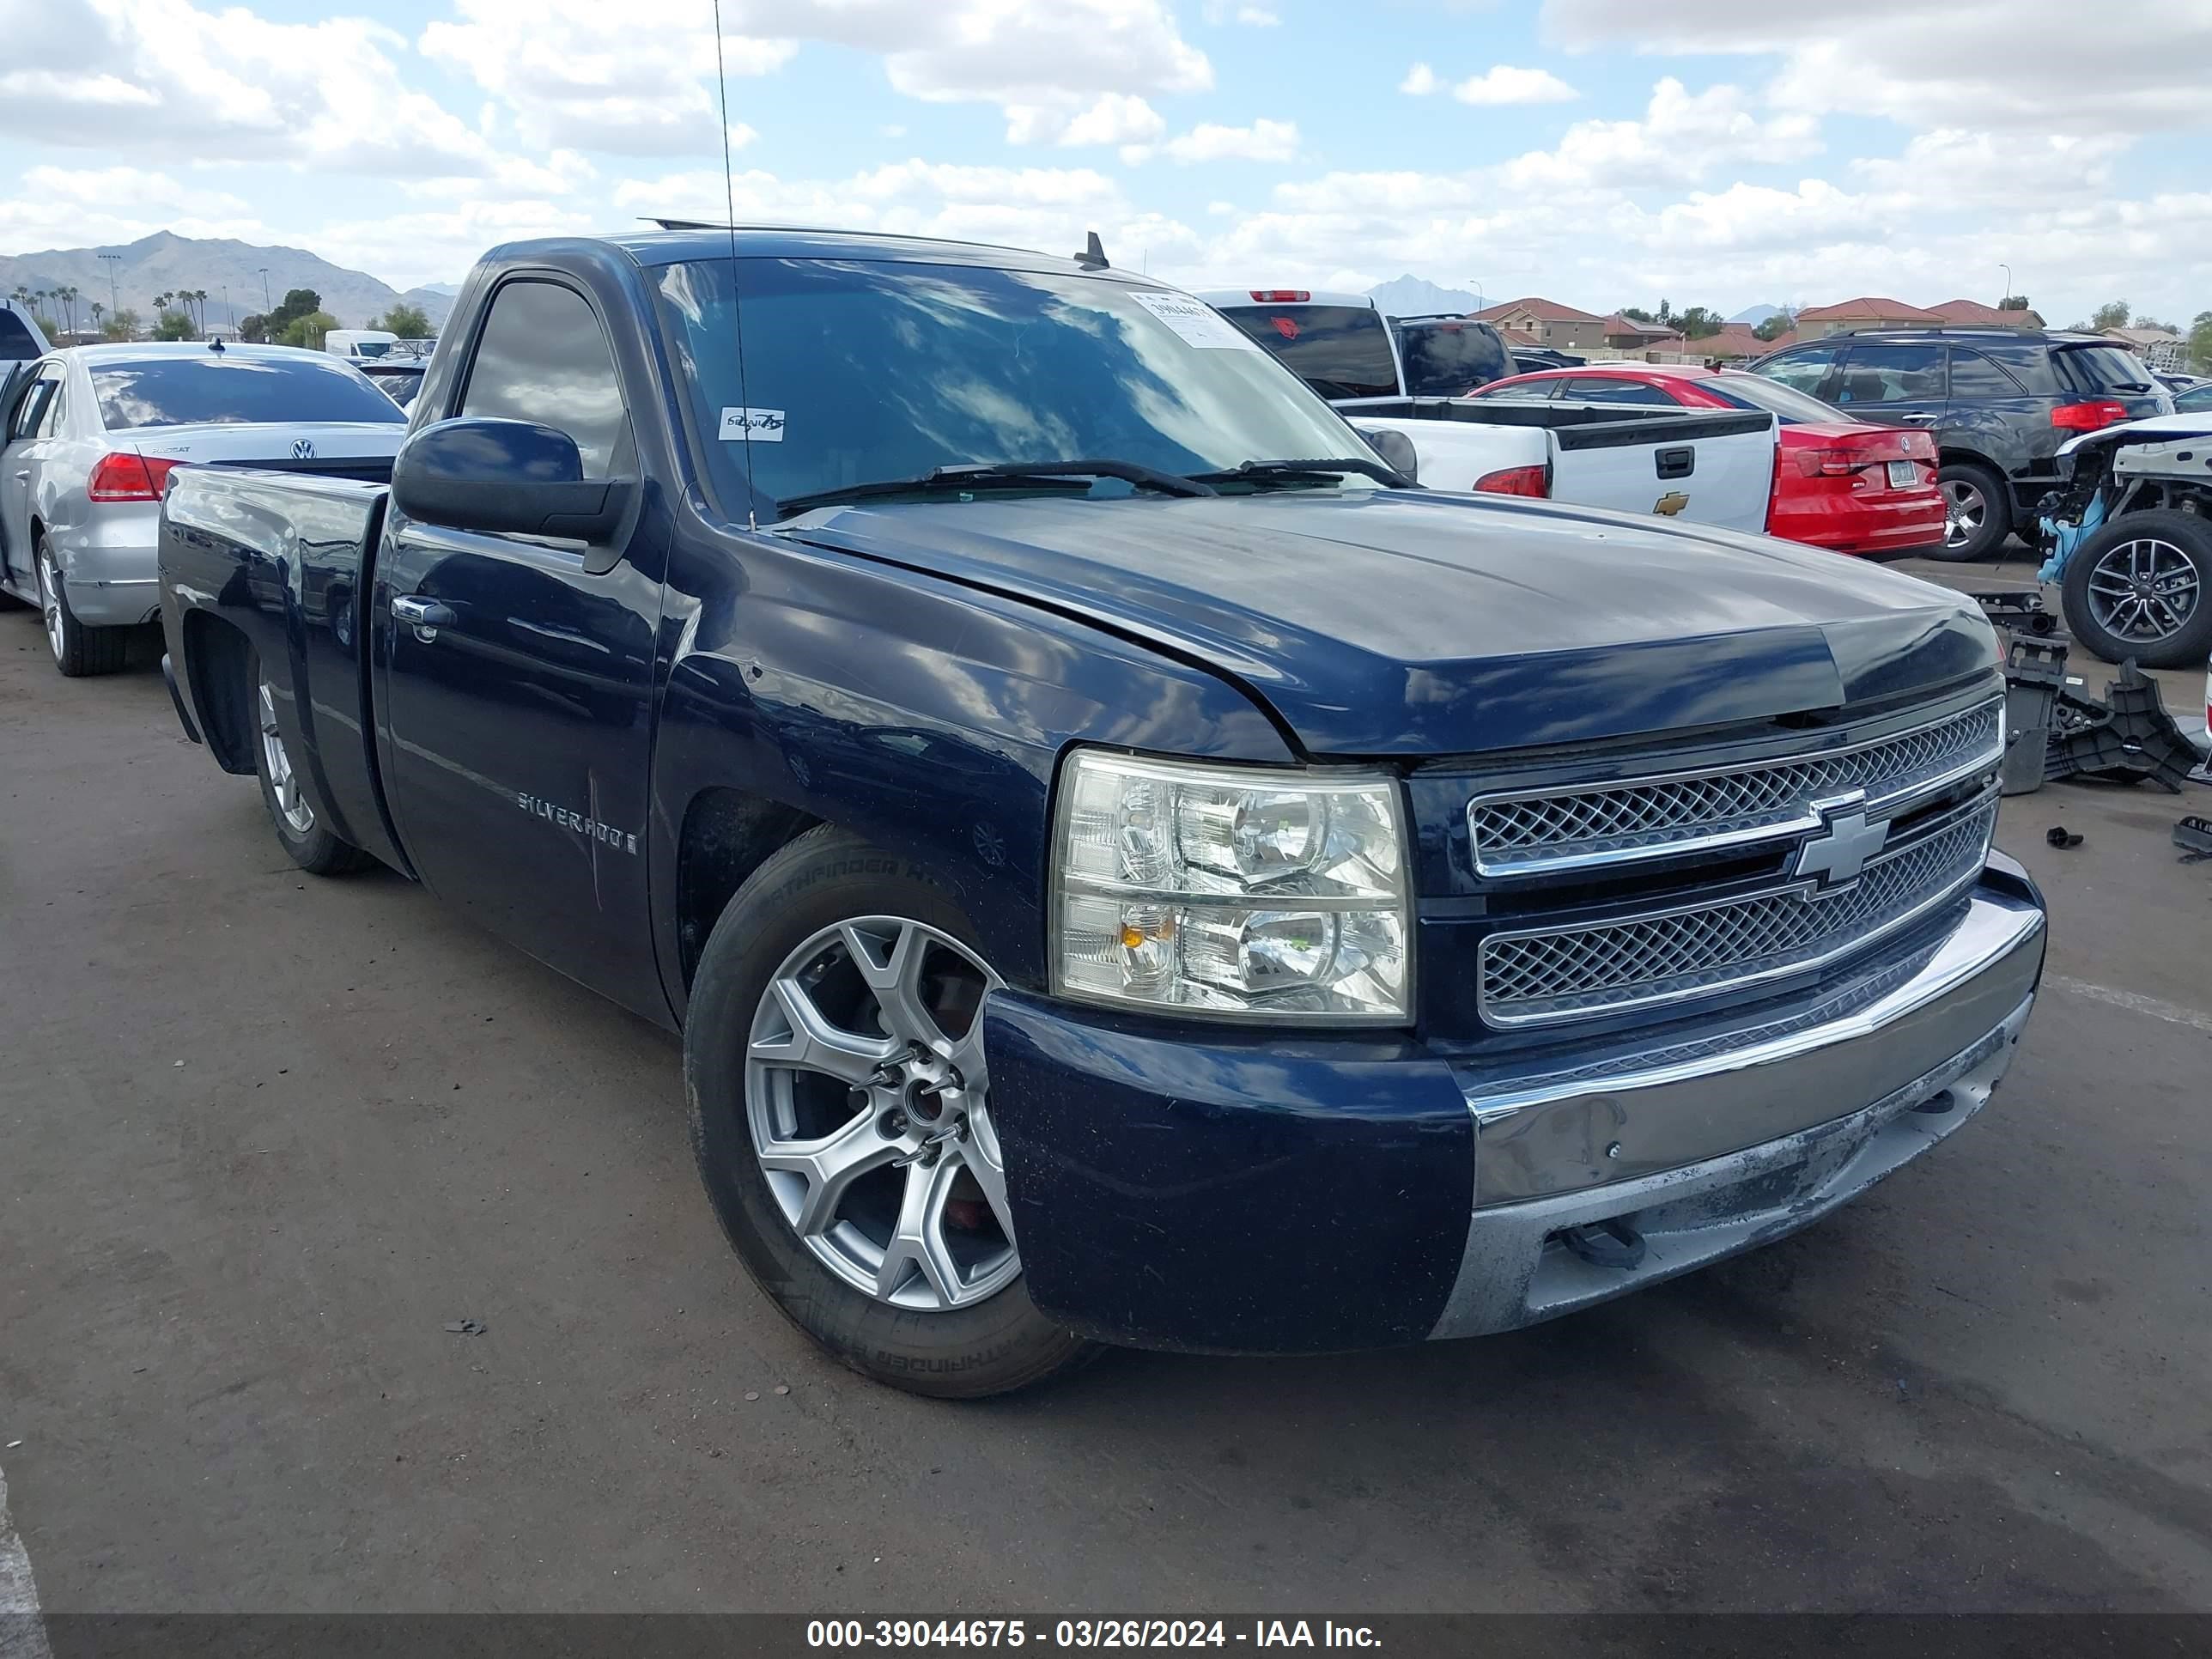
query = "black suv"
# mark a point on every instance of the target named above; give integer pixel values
(2000, 402)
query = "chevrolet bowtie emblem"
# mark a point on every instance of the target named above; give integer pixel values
(1835, 856)
(1670, 503)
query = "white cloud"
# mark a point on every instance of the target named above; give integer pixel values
(645, 89)
(1420, 81)
(1263, 141)
(1219, 12)
(1505, 84)
(2038, 64)
(164, 76)
(1682, 138)
(1115, 118)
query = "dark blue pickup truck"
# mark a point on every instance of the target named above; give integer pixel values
(1128, 865)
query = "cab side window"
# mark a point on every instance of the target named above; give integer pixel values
(543, 356)
(57, 415)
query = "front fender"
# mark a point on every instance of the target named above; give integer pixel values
(924, 714)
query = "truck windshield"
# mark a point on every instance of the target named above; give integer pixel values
(1340, 352)
(856, 372)
(234, 387)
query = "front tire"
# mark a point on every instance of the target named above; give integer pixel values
(840, 1115)
(2142, 587)
(1977, 512)
(79, 652)
(309, 842)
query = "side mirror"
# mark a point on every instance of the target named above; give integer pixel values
(507, 477)
(1396, 450)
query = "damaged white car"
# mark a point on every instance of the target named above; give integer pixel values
(2131, 534)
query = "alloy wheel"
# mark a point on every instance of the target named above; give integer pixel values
(867, 1098)
(1966, 510)
(283, 782)
(2143, 591)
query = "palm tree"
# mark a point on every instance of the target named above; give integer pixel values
(23, 296)
(98, 311)
(67, 295)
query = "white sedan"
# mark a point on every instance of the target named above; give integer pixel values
(91, 434)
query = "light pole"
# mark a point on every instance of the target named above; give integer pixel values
(229, 317)
(113, 261)
(265, 307)
(1476, 284)
(2007, 295)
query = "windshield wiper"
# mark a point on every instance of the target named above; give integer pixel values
(1004, 475)
(1297, 471)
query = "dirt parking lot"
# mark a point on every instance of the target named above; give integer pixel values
(263, 1138)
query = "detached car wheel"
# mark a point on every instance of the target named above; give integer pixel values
(1977, 512)
(840, 1116)
(310, 843)
(79, 652)
(2142, 587)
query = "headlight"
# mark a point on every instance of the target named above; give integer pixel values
(1244, 893)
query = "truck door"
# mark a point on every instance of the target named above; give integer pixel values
(517, 723)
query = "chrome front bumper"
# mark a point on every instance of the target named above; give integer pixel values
(1730, 1138)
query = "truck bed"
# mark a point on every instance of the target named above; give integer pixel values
(288, 552)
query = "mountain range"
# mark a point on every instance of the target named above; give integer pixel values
(165, 261)
(1410, 296)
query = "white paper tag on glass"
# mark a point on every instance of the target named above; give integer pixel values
(1196, 322)
(752, 426)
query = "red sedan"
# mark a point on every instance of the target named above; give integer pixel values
(1839, 483)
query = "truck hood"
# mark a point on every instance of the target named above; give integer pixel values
(1394, 622)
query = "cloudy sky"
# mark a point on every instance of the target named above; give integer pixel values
(1717, 152)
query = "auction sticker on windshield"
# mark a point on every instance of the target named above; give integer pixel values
(752, 426)
(1195, 322)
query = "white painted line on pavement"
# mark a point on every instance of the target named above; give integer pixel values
(2172, 1012)
(23, 1632)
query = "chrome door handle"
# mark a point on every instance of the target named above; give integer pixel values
(425, 615)
(1918, 420)
(24, 477)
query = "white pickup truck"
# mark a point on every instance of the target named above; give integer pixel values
(1712, 467)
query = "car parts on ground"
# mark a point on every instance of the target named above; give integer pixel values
(2127, 738)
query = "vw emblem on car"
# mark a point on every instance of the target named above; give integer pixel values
(1835, 857)
(302, 450)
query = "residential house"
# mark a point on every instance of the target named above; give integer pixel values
(1560, 327)
(1818, 322)
(1973, 314)
(1633, 338)
(1734, 343)
(2162, 348)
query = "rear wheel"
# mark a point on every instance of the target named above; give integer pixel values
(312, 846)
(79, 651)
(2142, 587)
(1977, 511)
(841, 1117)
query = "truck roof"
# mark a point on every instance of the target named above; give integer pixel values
(665, 248)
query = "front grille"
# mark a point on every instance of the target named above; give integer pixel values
(1525, 834)
(1700, 950)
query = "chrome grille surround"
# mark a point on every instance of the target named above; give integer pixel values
(1579, 971)
(1589, 826)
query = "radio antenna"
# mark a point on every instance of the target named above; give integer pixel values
(737, 322)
